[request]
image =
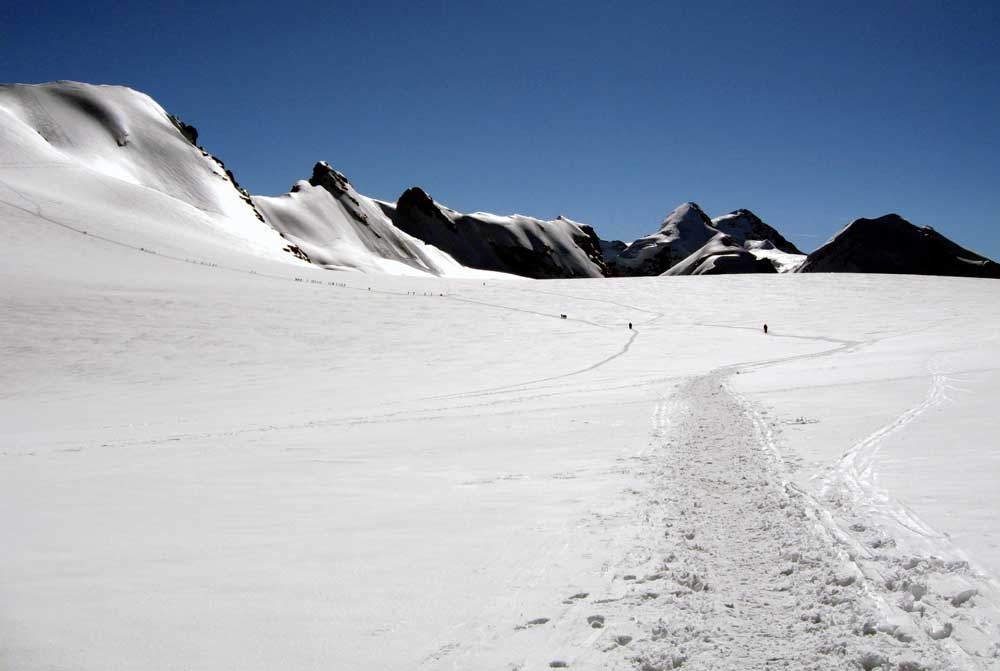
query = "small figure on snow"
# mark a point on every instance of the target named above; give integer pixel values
(630, 326)
(765, 329)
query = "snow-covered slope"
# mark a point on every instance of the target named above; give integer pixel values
(744, 226)
(202, 468)
(340, 228)
(111, 161)
(722, 255)
(891, 244)
(117, 165)
(516, 244)
(783, 262)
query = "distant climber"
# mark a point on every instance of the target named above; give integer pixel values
(765, 329)
(630, 326)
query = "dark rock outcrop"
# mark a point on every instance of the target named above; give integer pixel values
(891, 244)
(610, 249)
(187, 130)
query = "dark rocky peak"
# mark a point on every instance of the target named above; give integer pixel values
(331, 180)
(416, 202)
(891, 244)
(340, 188)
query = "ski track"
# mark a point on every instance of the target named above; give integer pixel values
(489, 391)
(634, 332)
(548, 315)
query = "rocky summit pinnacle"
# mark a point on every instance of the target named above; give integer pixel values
(331, 180)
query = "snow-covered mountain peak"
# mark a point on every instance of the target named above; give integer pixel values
(683, 232)
(339, 228)
(688, 234)
(130, 171)
(686, 216)
(743, 225)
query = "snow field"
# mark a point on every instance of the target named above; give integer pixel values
(211, 465)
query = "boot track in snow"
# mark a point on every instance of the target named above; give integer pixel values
(737, 569)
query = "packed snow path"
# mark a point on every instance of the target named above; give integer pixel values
(741, 573)
(730, 567)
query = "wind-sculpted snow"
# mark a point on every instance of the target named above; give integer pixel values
(525, 246)
(109, 154)
(891, 244)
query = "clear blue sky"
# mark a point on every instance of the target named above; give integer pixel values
(811, 114)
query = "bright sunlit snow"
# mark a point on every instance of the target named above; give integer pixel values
(206, 467)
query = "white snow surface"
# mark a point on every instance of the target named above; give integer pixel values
(783, 262)
(213, 455)
(212, 465)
